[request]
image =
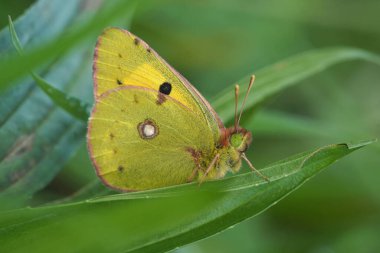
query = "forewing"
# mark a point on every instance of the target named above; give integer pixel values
(122, 59)
(125, 159)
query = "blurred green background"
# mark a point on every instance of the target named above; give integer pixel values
(214, 44)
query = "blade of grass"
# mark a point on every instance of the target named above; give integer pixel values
(72, 105)
(275, 78)
(37, 137)
(30, 150)
(160, 220)
(15, 67)
(35, 31)
(47, 27)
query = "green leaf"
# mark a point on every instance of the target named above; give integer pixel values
(268, 122)
(162, 219)
(275, 78)
(72, 105)
(14, 67)
(49, 26)
(38, 137)
(35, 31)
(15, 40)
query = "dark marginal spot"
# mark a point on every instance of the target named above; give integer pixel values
(120, 55)
(119, 82)
(115, 151)
(147, 129)
(165, 88)
(120, 168)
(148, 50)
(136, 41)
(112, 136)
(135, 99)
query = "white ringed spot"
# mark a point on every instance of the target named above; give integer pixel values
(147, 129)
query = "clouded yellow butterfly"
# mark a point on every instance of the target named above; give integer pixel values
(150, 127)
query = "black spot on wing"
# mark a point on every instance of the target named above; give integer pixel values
(165, 88)
(120, 168)
(119, 82)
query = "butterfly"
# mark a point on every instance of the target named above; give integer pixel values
(149, 127)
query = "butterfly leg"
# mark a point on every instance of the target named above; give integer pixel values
(194, 173)
(196, 156)
(250, 165)
(210, 167)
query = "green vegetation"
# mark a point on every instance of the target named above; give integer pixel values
(316, 65)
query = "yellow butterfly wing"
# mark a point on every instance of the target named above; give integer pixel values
(122, 59)
(136, 143)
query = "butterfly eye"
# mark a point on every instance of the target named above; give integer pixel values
(166, 88)
(236, 140)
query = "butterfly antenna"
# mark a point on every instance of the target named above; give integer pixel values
(251, 81)
(236, 105)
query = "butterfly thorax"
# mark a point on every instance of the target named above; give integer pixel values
(233, 142)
